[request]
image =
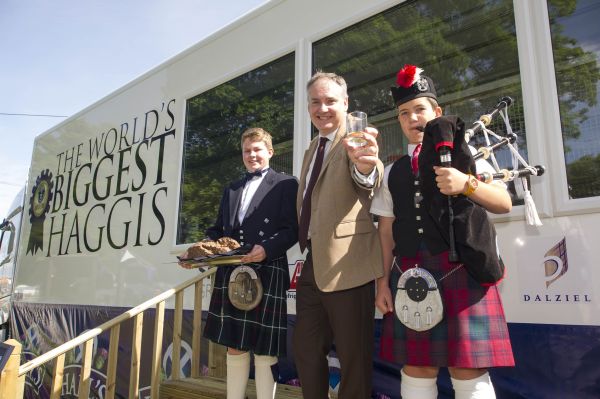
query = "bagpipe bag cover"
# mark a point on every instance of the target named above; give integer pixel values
(475, 235)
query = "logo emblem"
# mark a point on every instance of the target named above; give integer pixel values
(422, 84)
(39, 205)
(185, 359)
(555, 262)
(297, 272)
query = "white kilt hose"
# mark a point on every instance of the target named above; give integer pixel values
(262, 329)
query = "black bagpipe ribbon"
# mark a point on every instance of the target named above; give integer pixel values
(474, 233)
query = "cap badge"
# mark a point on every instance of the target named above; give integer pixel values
(422, 84)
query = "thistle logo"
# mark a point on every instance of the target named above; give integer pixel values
(39, 205)
(555, 262)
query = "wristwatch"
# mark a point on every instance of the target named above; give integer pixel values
(471, 185)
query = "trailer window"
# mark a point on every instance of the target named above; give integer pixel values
(215, 120)
(468, 48)
(575, 36)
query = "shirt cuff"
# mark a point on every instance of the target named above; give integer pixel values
(367, 181)
(382, 212)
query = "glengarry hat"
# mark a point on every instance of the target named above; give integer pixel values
(411, 84)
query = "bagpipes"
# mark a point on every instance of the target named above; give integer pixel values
(465, 225)
(509, 140)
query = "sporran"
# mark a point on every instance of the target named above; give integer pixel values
(245, 289)
(418, 302)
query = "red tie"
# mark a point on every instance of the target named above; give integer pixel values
(306, 203)
(414, 162)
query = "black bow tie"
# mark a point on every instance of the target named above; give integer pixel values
(250, 175)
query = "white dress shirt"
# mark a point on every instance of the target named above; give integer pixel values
(249, 190)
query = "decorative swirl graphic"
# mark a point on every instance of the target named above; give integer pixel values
(555, 262)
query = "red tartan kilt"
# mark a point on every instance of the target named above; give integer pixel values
(473, 333)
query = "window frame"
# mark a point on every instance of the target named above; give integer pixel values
(209, 85)
(539, 91)
(537, 155)
(543, 113)
(540, 102)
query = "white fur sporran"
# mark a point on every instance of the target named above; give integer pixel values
(418, 302)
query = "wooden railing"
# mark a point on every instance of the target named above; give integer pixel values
(12, 379)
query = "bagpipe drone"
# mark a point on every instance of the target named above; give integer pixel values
(464, 224)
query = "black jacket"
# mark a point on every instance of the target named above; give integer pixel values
(271, 219)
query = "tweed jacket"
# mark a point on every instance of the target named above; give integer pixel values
(346, 251)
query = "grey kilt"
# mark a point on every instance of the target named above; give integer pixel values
(261, 330)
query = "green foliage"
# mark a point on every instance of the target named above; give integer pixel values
(576, 70)
(215, 121)
(454, 42)
(468, 46)
(583, 177)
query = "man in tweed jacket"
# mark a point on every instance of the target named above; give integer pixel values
(335, 290)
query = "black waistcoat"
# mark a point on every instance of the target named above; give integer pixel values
(413, 224)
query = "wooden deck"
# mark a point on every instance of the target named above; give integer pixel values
(215, 388)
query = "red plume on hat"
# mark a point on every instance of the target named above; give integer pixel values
(411, 83)
(408, 75)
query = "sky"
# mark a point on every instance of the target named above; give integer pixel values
(58, 57)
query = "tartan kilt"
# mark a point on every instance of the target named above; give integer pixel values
(472, 334)
(263, 329)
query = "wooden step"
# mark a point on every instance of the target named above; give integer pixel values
(215, 388)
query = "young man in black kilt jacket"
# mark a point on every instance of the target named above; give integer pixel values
(258, 210)
(472, 334)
